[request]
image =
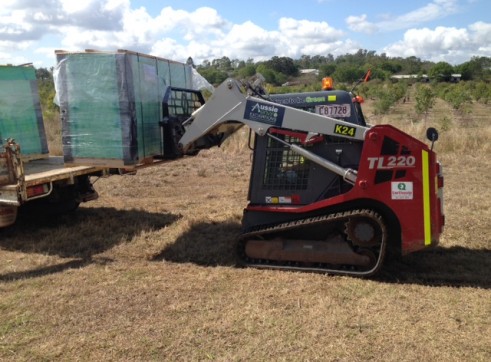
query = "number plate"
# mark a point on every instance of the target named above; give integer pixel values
(334, 110)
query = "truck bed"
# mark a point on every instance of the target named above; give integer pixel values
(53, 169)
(42, 171)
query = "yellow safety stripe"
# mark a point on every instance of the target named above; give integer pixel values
(426, 198)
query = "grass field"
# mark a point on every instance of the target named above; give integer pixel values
(148, 272)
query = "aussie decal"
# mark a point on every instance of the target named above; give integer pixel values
(388, 162)
(264, 113)
(344, 130)
(402, 190)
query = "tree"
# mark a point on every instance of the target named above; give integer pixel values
(223, 64)
(247, 71)
(205, 64)
(441, 71)
(327, 69)
(46, 89)
(425, 100)
(212, 75)
(387, 95)
(348, 73)
(44, 74)
(475, 69)
(457, 96)
(410, 65)
(283, 65)
(268, 73)
(383, 103)
(305, 61)
(391, 66)
(190, 62)
(237, 64)
(481, 91)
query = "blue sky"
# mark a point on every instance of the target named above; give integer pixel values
(436, 30)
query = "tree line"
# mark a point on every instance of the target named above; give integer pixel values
(345, 68)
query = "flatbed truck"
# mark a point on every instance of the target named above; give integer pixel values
(49, 186)
(46, 183)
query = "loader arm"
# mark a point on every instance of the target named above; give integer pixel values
(229, 109)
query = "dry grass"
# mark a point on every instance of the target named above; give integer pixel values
(147, 272)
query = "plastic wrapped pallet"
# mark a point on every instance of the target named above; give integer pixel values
(110, 105)
(20, 111)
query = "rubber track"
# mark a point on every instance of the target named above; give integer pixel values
(314, 221)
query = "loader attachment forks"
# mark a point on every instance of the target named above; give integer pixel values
(177, 106)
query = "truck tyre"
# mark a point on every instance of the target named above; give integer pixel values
(8, 215)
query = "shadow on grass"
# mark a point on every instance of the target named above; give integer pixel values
(80, 235)
(52, 269)
(455, 267)
(214, 244)
(206, 244)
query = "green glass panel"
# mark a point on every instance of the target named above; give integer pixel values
(111, 103)
(92, 126)
(20, 110)
(150, 100)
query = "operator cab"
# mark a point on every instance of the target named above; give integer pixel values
(281, 176)
(337, 104)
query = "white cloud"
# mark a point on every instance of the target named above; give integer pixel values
(481, 33)
(205, 35)
(169, 48)
(293, 38)
(434, 10)
(173, 33)
(360, 24)
(454, 45)
(339, 47)
(6, 58)
(248, 40)
(309, 31)
(142, 32)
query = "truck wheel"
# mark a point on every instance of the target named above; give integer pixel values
(49, 208)
(8, 215)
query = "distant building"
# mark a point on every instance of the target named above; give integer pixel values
(422, 77)
(454, 78)
(309, 71)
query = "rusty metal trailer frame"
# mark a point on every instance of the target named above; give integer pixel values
(19, 176)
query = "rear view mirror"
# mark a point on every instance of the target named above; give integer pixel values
(432, 135)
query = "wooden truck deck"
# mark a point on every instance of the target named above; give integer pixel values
(53, 169)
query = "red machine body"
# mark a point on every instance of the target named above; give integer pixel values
(397, 175)
(327, 193)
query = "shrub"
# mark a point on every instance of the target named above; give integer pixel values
(425, 99)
